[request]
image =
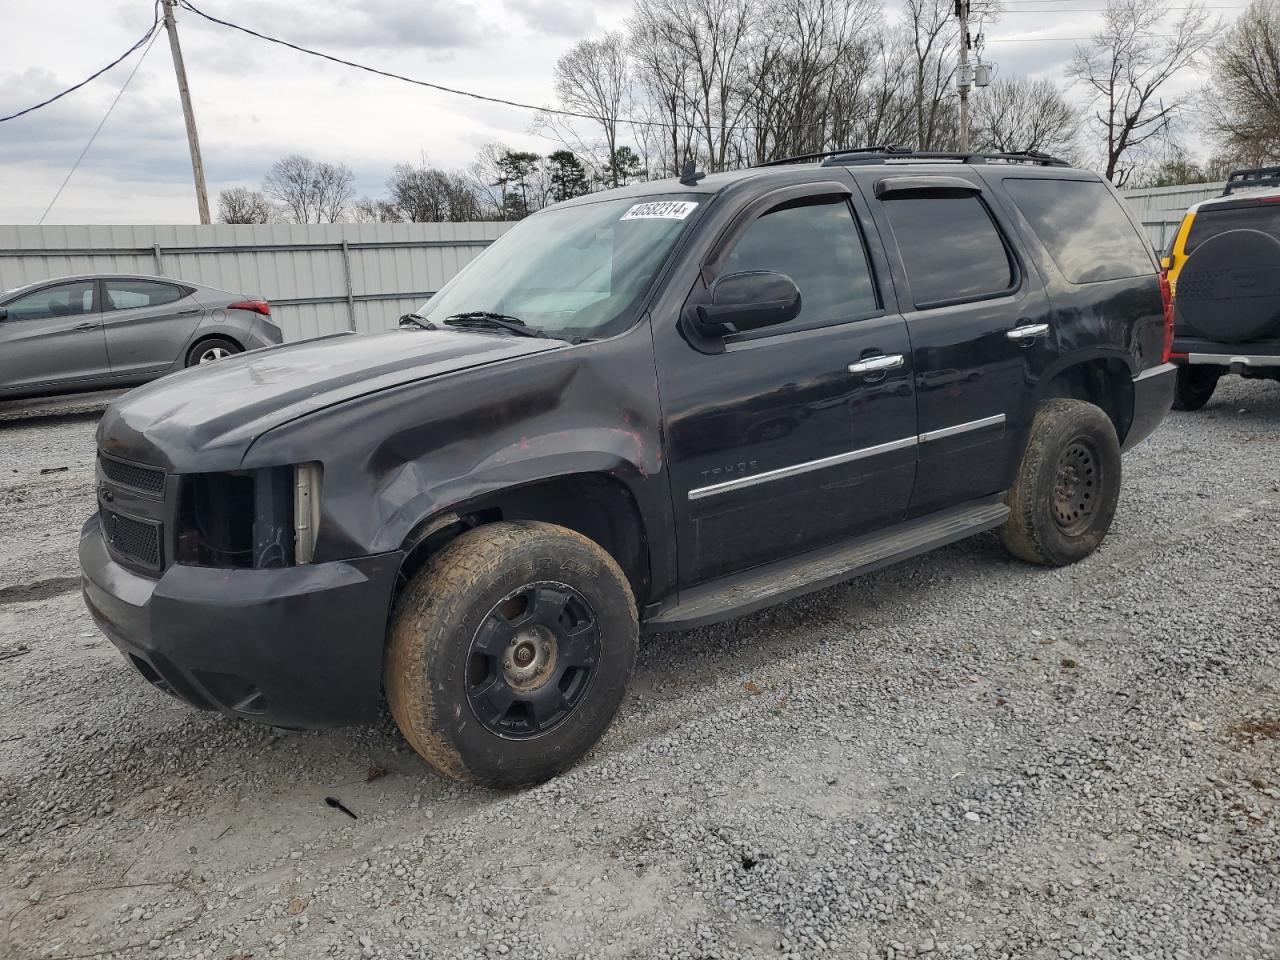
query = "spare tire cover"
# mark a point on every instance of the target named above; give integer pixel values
(1230, 287)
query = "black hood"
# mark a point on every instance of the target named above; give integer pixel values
(206, 417)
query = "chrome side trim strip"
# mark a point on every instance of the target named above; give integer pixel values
(798, 468)
(1227, 359)
(1156, 371)
(958, 428)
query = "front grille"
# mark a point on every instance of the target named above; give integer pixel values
(134, 540)
(147, 479)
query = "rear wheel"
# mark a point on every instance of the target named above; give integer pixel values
(510, 652)
(215, 348)
(1194, 387)
(1064, 498)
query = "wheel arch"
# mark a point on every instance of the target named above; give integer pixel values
(598, 505)
(1103, 380)
(205, 337)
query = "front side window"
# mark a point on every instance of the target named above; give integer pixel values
(1083, 227)
(816, 243)
(951, 249)
(576, 271)
(131, 294)
(63, 300)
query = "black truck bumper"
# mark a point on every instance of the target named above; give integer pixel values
(294, 647)
(1152, 398)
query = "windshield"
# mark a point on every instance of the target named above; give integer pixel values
(578, 271)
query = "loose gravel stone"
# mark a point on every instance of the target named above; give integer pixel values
(958, 757)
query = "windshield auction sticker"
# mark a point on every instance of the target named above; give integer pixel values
(661, 210)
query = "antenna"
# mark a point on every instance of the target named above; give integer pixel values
(690, 176)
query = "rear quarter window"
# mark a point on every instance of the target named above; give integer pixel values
(1211, 221)
(1084, 228)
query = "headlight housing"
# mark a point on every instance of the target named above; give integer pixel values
(250, 519)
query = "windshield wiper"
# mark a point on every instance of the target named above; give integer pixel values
(488, 318)
(418, 320)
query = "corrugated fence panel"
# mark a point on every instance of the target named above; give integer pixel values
(316, 286)
(1161, 208)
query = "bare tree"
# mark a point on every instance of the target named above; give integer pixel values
(1126, 68)
(371, 210)
(934, 38)
(310, 191)
(1242, 101)
(665, 76)
(703, 46)
(1023, 114)
(242, 205)
(808, 54)
(593, 78)
(424, 194)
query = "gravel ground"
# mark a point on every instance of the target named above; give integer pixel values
(962, 756)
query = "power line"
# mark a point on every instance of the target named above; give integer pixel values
(151, 30)
(421, 83)
(186, 4)
(67, 179)
(1054, 11)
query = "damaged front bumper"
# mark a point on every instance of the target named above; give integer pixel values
(297, 646)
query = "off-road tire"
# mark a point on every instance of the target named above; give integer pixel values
(437, 623)
(196, 355)
(1056, 518)
(1194, 387)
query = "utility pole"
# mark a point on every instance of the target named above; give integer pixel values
(193, 140)
(963, 79)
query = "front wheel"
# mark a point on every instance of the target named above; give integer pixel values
(1064, 498)
(1194, 387)
(510, 652)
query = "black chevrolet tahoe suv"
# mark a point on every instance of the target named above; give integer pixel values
(1224, 269)
(641, 410)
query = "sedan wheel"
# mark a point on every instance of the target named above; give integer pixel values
(212, 350)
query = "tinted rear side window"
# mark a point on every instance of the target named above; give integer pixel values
(129, 294)
(1211, 221)
(951, 249)
(1083, 227)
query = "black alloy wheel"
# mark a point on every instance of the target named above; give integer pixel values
(532, 660)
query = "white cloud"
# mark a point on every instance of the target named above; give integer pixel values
(255, 101)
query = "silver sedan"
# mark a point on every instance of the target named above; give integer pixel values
(98, 332)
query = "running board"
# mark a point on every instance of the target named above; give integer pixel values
(781, 580)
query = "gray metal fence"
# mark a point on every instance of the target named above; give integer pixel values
(319, 278)
(1161, 208)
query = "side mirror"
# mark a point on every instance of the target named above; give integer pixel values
(4, 313)
(748, 301)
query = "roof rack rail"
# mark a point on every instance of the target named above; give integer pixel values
(851, 156)
(1247, 177)
(885, 149)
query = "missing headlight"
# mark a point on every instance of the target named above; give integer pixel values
(253, 519)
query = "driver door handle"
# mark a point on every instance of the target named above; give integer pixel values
(85, 326)
(877, 364)
(1028, 331)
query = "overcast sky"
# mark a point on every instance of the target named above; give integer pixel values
(255, 101)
